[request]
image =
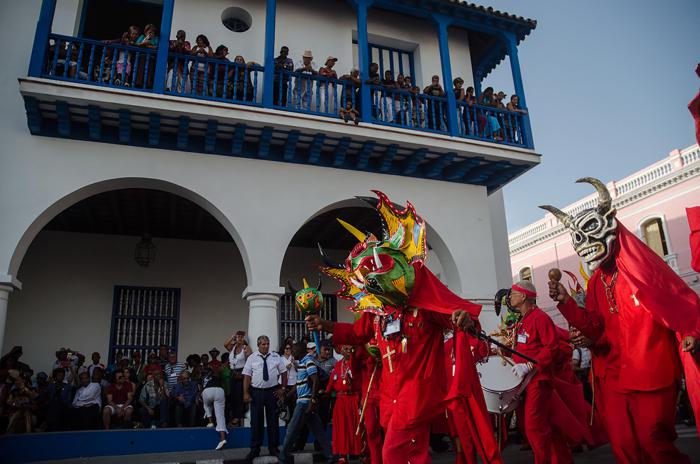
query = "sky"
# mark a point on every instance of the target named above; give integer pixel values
(607, 84)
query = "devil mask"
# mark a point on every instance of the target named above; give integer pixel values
(593, 231)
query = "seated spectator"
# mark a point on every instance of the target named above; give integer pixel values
(198, 68)
(95, 363)
(11, 361)
(327, 89)
(182, 47)
(66, 361)
(194, 367)
(153, 367)
(128, 378)
(172, 370)
(42, 400)
(136, 366)
(436, 110)
(163, 351)
(59, 407)
(154, 401)
(98, 376)
(119, 398)
(349, 113)
(214, 363)
(21, 406)
(112, 368)
(303, 87)
(87, 404)
(184, 397)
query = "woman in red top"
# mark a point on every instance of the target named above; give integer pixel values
(346, 415)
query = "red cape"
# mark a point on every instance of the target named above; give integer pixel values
(694, 108)
(465, 398)
(666, 296)
(693, 214)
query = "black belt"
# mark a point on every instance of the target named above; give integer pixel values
(266, 389)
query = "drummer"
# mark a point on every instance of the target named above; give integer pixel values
(536, 338)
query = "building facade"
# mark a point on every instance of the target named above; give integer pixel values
(651, 203)
(220, 177)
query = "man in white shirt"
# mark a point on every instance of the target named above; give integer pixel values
(261, 388)
(87, 404)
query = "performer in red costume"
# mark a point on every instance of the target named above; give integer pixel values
(694, 108)
(406, 308)
(536, 336)
(345, 382)
(641, 307)
(369, 359)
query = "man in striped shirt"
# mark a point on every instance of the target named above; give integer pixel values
(306, 410)
(173, 369)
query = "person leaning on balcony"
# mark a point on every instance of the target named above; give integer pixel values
(201, 50)
(221, 73)
(149, 39)
(436, 111)
(178, 46)
(514, 107)
(388, 103)
(303, 88)
(242, 81)
(283, 64)
(460, 96)
(351, 89)
(327, 90)
(492, 127)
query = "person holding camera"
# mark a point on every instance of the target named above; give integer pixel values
(68, 361)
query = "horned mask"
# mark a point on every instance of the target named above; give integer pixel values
(594, 230)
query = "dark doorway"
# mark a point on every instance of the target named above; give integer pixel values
(109, 19)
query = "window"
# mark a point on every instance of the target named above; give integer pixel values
(393, 59)
(292, 322)
(142, 319)
(654, 237)
(102, 20)
(236, 19)
(525, 274)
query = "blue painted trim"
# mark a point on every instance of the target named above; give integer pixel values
(291, 147)
(183, 136)
(315, 148)
(166, 23)
(265, 139)
(210, 136)
(443, 23)
(31, 106)
(365, 154)
(411, 163)
(268, 77)
(41, 43)
(124, 126)
(153, 129)
(238, 139)
(388, 158)
(519, 88)
(63, 118)
(342, 151)
(436, 166)
(363, 57)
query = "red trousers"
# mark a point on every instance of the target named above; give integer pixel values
(407, 446)
(641, 426)
(373, 431)
(548, 443)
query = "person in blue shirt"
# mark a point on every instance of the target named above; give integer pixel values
(184, 396)
(306, 410)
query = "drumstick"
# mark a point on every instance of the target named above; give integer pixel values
(364, 404)
(508, 360)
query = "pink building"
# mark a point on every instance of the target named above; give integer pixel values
(651, 202)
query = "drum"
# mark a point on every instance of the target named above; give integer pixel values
(501, 387)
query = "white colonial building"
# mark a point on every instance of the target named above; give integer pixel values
(234, 172)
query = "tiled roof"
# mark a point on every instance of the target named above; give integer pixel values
(491, 11)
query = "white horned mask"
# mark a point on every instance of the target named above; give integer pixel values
(594, 230)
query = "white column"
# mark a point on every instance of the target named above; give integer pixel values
(4, 297)
(263, 317)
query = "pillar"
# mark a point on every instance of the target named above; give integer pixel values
(362, 6)
(269, 76)
(4, 297)
(263, 316)
(518, 84)
(443, 22)
(166, 23)
(41, 36)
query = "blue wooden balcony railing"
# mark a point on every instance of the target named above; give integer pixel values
(128, 67)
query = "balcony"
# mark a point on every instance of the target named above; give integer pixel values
(82, 88)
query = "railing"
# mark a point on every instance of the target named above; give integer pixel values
(113, 64)
(646, 177)
(99, 63)
(213, 79)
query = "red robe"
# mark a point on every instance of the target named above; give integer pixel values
(373, 434)
(642, 368)
(414, 387)
(694, 108)
(346, 418)
(694, 223)
(537, 338)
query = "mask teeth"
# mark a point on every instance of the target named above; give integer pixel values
(377, 262)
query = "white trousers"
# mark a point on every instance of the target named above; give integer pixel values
(215, 398)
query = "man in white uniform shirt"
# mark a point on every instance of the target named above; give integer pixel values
(261, 388)
(87, 404)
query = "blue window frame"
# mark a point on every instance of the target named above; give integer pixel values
(143, 318)
(393, 59)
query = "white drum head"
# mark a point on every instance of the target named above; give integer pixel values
(495, 374)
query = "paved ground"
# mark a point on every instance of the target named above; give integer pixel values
(687, 441)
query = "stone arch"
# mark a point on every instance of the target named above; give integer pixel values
(89, 190)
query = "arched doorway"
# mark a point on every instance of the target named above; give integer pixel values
(83, 288)
(302, 258)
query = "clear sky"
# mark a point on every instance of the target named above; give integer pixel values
(607, 84)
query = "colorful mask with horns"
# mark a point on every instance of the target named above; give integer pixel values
(379, 272)
(593, 230)
(308, 300)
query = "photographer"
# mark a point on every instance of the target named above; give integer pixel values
(67, 360)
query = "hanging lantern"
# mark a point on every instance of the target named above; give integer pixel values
(145, 252)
